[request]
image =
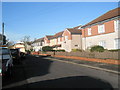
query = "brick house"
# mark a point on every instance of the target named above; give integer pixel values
(38, 44)
(102, 31)
(56, 41)
(72, 39)
(20, 45)
(47, 40)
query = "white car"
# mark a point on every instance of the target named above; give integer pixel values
(7, 61)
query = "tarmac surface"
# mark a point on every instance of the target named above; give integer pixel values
(50, 72)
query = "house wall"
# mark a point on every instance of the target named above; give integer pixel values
(47, 42)
(67, 33)
(53, 42)
(21, 46)
(109, 28)
(108, 36)
(76, 40)
(59, 42)
(66, 44)
(37, 46)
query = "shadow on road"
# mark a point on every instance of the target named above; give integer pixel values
(32, 66)
(70, 82)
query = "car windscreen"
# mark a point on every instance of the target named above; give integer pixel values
(4, 51)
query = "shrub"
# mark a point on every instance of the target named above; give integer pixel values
(97, 48)
(75, 50)
(47, 48)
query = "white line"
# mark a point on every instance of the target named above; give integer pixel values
(86, 66)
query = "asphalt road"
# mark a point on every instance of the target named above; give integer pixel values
(45, 72)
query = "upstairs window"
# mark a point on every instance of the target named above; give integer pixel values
(66, 38)
(59, 39)
(89, 31)
(101, 28)
(117, 25)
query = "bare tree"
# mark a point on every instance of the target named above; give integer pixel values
(26, 41)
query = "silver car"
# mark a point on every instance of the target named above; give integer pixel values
(7, 61)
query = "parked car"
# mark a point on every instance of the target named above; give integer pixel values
(7, 61)
(16, 55)
(22, 54)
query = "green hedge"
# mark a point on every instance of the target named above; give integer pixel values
(47, 48)
(75, 50)
(97, 48)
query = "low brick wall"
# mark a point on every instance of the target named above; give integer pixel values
(108, 61)
(87, 56)
(99, 55)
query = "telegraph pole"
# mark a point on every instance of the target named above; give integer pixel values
(3, 28)
(3, 33)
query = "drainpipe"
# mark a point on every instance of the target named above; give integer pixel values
(85, 39)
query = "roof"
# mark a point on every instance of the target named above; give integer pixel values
(77, 27)
(74, 31)
(38, 40)
(49, 36)
(59, 34)
(108, 15)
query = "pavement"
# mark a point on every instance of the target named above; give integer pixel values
(96, 65)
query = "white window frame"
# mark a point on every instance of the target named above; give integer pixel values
(66, 38)
(101, 28)
(116, 25)
(58, 39)
(117, 43)
(89, 31)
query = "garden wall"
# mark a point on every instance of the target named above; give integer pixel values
(100, 55)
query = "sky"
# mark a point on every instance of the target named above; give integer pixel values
(37, 19)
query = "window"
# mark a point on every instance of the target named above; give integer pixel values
(117, 43)
(101, 28)
(59, 39)
(102, 43)
(89, 31)
(76, 45)
(66, 38)
(116, 25)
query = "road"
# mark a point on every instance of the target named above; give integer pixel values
(46, 72)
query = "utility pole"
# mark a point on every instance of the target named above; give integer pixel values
(3, 28)
(3, 37)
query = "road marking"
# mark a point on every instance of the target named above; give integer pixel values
(86, 66)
